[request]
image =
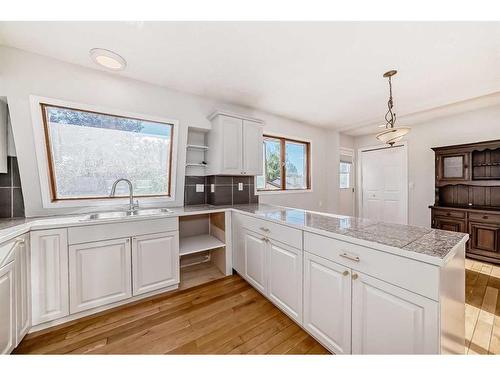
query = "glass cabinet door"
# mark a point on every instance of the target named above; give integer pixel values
(452, 167)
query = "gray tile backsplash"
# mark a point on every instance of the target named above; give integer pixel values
(225, 192)
(11, 194)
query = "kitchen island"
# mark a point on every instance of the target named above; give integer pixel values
(356, 285)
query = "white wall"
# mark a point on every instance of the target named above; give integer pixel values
(473, 126)
(25, 74)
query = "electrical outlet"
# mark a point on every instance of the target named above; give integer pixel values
(212, 188)
(240, 186)
(200, 188)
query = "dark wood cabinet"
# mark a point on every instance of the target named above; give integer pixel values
(467, 195)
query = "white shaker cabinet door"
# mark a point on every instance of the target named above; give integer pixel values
(390, 320)
(155, 262)
(23, 293)
(252, 148)
(100, 273)
(232, 139)
(49, 275)
(327, 303)
(255, 260)
(7, 309)
(285, 278)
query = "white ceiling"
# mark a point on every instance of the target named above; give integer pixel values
(324, 73)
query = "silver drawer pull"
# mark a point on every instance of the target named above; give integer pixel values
(264, 229)
(19, 242)
(350, 257)
(264, 239)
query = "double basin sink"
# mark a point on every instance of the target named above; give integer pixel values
(125, 214)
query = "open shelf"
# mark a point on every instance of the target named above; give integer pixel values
(198, 243)
(196, 165)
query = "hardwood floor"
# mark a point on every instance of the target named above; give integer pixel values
(223, 316)
(482, 309)
(229, 316)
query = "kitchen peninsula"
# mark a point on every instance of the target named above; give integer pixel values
(355, 285)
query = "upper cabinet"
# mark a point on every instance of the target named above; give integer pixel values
(4, 120)
(453, 166)
(234, 145)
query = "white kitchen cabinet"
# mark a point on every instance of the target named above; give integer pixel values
(255, 246)
(99, 273)
(234, 145)
(390, 320)
(4, 124)
(285, 278)
(23, 294)
(327, 303)
(7, 308)
(49, 275)
(155, 262)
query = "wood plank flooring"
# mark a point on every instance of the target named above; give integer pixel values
(223, 316)
(229, 316)
(482, 308)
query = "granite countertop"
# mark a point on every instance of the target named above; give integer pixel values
(425, 244)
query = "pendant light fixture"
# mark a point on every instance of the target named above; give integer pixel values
(391, 134)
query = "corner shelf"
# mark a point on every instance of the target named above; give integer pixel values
(199, 243)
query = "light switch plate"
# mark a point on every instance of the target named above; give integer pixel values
(240, 186)
(200, 188)
(212, 188)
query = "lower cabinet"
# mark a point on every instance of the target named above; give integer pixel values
(23, 292)
(49, 275)
(155, 262)
(7, 308)
(100, 273)
(327, 303)
(484, 239)
(254, 248)
(275, 270)
(285, 278)
(390, 320)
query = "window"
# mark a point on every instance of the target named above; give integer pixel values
(345, 174)
(286, 165)
(87, 151)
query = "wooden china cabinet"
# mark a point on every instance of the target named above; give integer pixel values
(468, 195)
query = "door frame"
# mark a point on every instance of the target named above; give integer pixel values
(348, 151)
(404, 179)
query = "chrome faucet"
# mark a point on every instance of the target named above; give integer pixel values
(132, 206)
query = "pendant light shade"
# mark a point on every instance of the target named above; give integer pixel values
(391, 134)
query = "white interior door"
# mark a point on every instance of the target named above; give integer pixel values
(346, 182)
(384, 186)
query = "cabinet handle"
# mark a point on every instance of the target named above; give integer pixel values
(345, 273)
(485, 217)
(354, 276)
(264, 239)
(19, 242)
(264, 229)
(350, 257)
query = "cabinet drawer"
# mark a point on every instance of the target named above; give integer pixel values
(100, 232)
(282, 233)
(392, 268)
(449, 213)
(484, 217)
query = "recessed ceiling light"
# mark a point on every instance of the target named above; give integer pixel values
(108, 59)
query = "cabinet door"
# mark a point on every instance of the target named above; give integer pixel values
(484, 239)
(327, 303)
(285, 278)
(232, 138)
(238, 245)
(252, 148)
(7, 309)
(99, 273)
(452, 167)
(23, 313)
(155, 262)
(390, 320)
(49, 275)
(255, 260)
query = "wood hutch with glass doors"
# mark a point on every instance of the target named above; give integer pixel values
(467, 195)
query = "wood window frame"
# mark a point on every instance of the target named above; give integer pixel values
(283, 141)
(50, 158)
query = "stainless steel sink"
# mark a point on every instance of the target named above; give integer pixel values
(123, 214)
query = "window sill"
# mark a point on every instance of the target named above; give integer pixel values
(270, 192)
